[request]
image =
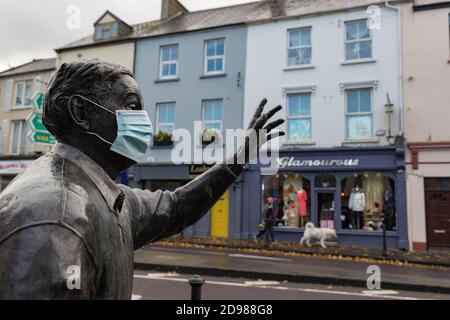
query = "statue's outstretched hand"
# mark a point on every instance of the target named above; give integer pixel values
(258, 133)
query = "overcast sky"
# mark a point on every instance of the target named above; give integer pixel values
(33, 28)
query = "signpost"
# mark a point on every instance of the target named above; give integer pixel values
(39, 133)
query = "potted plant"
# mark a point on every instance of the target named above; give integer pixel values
(210, 136)
(163, 139)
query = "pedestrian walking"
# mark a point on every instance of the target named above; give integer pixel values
(269, 221)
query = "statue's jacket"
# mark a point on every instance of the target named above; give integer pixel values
(68, 231)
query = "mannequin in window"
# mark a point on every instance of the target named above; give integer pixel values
(290, 216)
(357, 204)
(302, 198)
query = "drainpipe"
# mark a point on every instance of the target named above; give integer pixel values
(400, 64)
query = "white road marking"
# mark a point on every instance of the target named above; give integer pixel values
(136, 297)
(151, 276)
(238, 255)
(261, 283)
(380, 292)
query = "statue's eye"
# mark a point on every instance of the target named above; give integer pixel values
(132, 107)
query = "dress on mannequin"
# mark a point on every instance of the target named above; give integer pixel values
(302, 198)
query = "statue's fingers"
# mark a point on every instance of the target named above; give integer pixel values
(271, 113)
(258, 113)
(275, 135)
(273, 125)
(261, 122)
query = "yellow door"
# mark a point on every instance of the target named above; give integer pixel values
(219, 217)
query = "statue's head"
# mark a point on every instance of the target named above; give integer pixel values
(81, 103)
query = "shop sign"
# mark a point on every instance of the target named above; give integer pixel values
(13, 167)
(198, 169)
(312, 163)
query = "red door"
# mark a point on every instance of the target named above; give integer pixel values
(438, 218)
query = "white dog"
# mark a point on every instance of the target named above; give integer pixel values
(322, 234)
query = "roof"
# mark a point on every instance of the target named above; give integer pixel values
(36, 65)
(254, 12)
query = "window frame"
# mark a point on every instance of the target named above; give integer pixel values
(207, 58)
(358, 114)
(23, 95)
(300, 117)
(158, 124)
(346, 41)
(212, 121)
(298, 47)
(23, 126)
(168, 62)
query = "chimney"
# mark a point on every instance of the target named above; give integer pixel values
(277, 8)
(170, 8)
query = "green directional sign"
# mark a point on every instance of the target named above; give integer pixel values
(42, 137)
(38, 101)
(35, 122)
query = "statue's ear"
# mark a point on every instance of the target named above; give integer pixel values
(78, 111)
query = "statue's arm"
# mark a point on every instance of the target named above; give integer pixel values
(35, 261)
(157, 215)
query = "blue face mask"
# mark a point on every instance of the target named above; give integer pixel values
(134, 132)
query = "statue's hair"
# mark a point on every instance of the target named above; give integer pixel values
(92, 79)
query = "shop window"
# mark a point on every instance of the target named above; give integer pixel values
(325, 180)
(291, 195)
(437, 184)
(368, 200)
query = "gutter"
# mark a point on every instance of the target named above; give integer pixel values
(400, 65)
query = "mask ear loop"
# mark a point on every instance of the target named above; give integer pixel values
(102, 107)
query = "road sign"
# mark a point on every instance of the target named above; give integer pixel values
(35, 122)
(38, 101)
(42, 137)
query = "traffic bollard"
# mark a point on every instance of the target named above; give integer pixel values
(196, 283)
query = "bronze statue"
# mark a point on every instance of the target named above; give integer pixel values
(65, 211)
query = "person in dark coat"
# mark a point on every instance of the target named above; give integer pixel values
(269, 221)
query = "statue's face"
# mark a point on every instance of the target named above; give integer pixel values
(125, 95)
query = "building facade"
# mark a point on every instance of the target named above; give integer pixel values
(427, 114)
(341, 163)
(17, 87)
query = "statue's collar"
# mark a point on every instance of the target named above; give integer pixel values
(108, 188)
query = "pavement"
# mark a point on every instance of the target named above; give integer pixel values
(175, 286)
(291, 268)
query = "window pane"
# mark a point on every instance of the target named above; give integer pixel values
(365, 101)
(208, 113)
(364, 31)
(23, 137)
(359, 127)
(294, 38)
(219, 65)
(28, 92)
(113, 29)
(19, 94)
(220, 50)
(299, 129)
(211, 65)
(173, 69)
(15, 137)
(305, 37)
(174, 53)
(352, 31)
(211, 48)
(352, 101)
(293, 106)
(305, 105)
(165, 54)
(365, 49)
(352, 51)
(166, 128)
(166, 70)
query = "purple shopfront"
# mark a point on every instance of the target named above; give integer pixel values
(354, 190)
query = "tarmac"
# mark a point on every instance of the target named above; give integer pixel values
(293, 267)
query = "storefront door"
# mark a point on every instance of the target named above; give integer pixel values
(326, 209)
(438, 218)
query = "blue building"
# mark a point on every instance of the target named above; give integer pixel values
(190, 67)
